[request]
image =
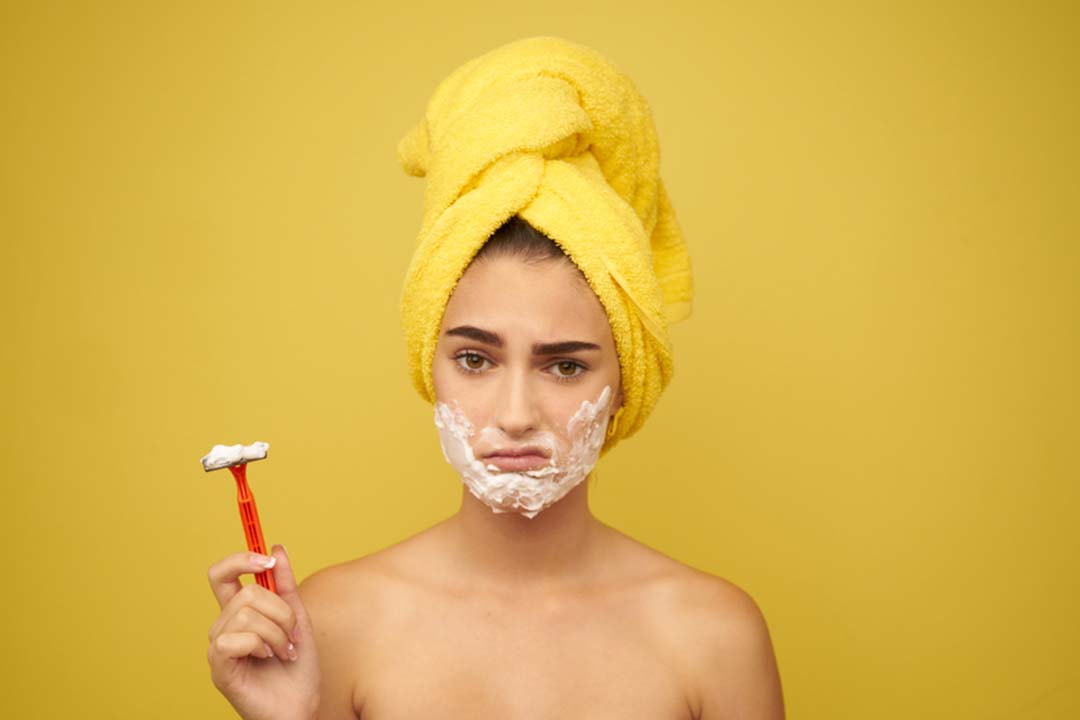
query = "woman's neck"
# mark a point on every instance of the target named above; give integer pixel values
(554, 549)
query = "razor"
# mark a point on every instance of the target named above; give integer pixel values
(236, 458)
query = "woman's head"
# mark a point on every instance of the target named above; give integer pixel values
(554, 133)
(524, 355)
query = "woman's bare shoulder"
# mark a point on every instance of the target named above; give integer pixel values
(686, 599)
(667, 573)
(356, 607)
(368, 579)
(712, 629)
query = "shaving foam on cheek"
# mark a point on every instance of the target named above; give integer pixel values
(530, 491)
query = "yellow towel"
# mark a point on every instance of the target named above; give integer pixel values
(551, 131)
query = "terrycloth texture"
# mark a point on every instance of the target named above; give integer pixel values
(553, 132)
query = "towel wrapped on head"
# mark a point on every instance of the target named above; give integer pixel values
(553, 132)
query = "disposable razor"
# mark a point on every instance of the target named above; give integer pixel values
(236, 458)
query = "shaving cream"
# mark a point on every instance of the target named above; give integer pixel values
(225, 455)
(530, 491)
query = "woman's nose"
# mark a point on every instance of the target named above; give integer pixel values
(516, 411)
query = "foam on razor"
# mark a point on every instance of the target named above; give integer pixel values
(222, 456)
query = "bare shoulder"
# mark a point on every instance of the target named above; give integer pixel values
(725, 629)
(720, 633)
(349, 603)
(369, 579)
(698, 596)
(340, 600)
(334, 587)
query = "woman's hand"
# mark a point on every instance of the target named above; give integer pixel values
(250, 658)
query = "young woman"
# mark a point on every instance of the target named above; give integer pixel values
(522, 604)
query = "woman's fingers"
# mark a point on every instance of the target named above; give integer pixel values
(287, 590)
(249, 620)
(253, 662)
(224, 575)
(239, 644)
(255, 598)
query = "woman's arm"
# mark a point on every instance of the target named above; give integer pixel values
(738, 673)
(321, 593)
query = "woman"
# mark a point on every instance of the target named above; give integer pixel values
(542, 344)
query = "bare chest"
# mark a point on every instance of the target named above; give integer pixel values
(463, 659)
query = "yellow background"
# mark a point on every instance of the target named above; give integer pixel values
(872, 428)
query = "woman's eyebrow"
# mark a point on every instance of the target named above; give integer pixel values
(475, 333)
(489, 338)
(561, 348)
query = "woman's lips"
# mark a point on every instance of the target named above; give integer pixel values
(516, 463)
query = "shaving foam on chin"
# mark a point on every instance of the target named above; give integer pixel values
(530, 491)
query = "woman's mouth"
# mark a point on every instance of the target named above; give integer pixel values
(516, 460)
(516, 463)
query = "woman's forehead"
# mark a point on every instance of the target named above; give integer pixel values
(543, 298)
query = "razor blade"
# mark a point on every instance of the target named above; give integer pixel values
(223, 456)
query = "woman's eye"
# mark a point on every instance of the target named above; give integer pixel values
(474, 362)
(568, 369)
(471, 361)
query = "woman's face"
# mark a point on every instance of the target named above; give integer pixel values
(522, 346)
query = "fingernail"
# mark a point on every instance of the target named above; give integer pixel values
(263, 560)
(292, 652)
(269, 650)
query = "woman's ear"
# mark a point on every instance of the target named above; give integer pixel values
(617, 404)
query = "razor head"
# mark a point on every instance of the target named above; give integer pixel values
(223, 456)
